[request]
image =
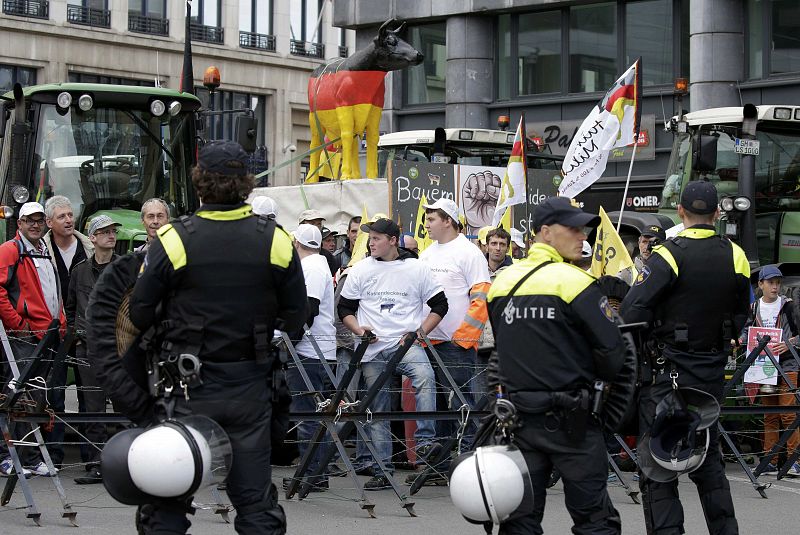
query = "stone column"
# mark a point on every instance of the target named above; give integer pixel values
(716, 47)
(470, 66)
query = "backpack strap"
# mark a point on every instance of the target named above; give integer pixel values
(526, 276)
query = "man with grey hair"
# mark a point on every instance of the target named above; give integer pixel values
(67, 248)
(66, 245)
(155, 214)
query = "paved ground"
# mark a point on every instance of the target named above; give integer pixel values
(337, 511)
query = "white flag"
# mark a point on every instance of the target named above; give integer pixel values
(513, 188)
(612, 123)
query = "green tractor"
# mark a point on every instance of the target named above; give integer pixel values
(107, 148)
(752, 155)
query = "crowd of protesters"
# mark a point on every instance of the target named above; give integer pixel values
(48, 270)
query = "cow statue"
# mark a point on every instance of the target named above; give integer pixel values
(345, 97)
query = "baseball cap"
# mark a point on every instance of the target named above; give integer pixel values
(101, 222)
(266, 206)
(308, 235)
(223, 157)
(655, 231)
(561, 211)
(699, 197)
(769, 272)
(384, 226)
(448, 206)
(30, 208)
(326, 232)
(310, 215)
(517, 237)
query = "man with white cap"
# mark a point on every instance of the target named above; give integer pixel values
(461, 269)
(517, 244)
(315, 217)
(29, 301)
(319, 290)
(266, 206)
(103, 235)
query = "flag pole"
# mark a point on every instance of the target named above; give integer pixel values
(627, 182)
(525, 175)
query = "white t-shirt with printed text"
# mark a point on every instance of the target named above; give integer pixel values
(391, 298)
(319, 285)
(769, 312)
(458, 265)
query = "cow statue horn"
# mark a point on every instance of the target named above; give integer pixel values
(399, 28)
(345, 98)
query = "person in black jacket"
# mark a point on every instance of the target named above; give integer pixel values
(103, 235)
(556, 334)
(694, 292)
(216, 285)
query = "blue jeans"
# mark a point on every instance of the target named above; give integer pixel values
(416, 366)
(462, 364)
(302, 401)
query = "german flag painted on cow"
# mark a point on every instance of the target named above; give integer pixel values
(343, 105)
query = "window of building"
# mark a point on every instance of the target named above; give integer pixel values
(773, 37)
(11, 74)
(255, 16)
(584, 48)
(425, 83)
(539, 53)
(83, 78)
(149, 8)
(148, 16)
(305, 17)
(207, 12)
(89, 13)
(649, 34)
(592, 47)
(305, 25)
(785, 37)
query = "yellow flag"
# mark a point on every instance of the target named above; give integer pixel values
(420, 234)
(362, 239)
(505, 221)
(610, 254)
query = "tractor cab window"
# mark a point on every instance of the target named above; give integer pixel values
(111, 159)
(777, 172)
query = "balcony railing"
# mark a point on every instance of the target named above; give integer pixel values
(343, 52)
(87, 16)
(309, 50)
(143, 24)
(207, 34)
(257, 40)
(39, 9)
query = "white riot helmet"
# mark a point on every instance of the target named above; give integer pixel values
(491, 485)
(678, 440)
(170, 460)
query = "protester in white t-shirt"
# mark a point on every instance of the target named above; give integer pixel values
(385, 294)
(460, 267)
(319, 289)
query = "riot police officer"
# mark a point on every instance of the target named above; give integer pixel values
(215, 285)
(694, 291)
(556, 334)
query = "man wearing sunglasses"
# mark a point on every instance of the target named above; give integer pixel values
(29, 301)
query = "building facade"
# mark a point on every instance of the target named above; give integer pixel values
(264, 49)
(553, 60)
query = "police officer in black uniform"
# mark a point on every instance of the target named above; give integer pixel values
(694, 292)
(216, 284)
(556, 334)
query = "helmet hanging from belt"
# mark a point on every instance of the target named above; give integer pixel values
(170, 460)
(678, 440)
(491, 485)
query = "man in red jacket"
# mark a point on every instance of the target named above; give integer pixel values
(29, 301)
